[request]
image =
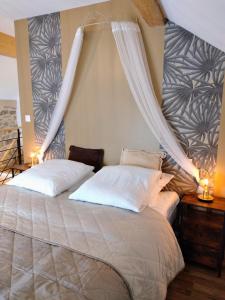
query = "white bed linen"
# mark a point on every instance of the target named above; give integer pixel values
(166, 204)
(142, 247)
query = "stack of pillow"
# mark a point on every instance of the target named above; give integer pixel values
(134, 184)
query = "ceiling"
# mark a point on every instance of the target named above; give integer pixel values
(21, 9)
(204, 18)
(7, 25)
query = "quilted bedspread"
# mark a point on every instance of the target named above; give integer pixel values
(141, 247)
(36, 270)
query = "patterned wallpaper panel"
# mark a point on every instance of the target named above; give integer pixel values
(192, 96)
(46, 75)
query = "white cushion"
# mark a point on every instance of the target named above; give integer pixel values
(126, 187)
(141, 158)
(161, 183)
(52, 177)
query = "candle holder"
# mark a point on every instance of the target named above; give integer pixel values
(205, 196)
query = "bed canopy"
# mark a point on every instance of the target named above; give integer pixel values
(133, 58)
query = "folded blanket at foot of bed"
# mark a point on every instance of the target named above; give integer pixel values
(34, 269)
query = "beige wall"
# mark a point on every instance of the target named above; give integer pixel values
(220, 167)
(26, 104)
(101, 112)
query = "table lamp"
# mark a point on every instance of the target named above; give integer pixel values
(205, 196)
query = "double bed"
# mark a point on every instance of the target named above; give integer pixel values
(57, 248)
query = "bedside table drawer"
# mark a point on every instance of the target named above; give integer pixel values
(210, 219)
(200, 254)
(202, 234)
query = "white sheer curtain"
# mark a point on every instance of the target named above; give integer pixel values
(133, 58)
(134, 61)
(65, 91)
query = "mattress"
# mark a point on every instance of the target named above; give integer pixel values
(141, 247)
(167, 205)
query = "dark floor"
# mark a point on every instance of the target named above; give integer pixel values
(197, 283)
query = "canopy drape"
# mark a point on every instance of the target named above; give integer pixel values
(133, 58)
(65, 91)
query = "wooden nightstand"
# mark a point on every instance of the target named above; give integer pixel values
(20, 168)
(202, 231)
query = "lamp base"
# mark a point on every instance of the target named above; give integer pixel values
(204, 198)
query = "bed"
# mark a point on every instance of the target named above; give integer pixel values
(141, 247)
(52, 247)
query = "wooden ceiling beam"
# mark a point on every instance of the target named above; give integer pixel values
(7, 45)
(150, 11)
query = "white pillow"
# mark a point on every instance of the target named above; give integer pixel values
(126, 187)
(52, 177)
(141, 158)
(161, 183)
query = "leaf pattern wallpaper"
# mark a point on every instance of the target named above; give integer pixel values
(192, 97)
(46, 76)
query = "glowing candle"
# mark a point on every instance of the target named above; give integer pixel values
(206, 189)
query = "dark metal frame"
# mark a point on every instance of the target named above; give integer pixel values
(16, 157)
